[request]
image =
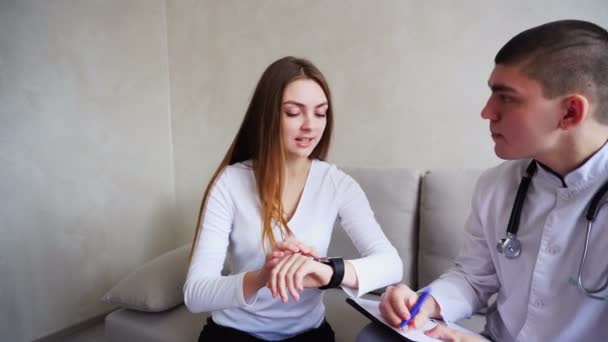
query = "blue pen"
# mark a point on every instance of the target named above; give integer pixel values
(416, 308)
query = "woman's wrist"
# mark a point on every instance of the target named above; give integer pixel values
(325, 273)
(252, 283)
(350, 276)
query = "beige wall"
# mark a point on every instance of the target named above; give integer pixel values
(86, 178)
(408, 77)
(114, 113)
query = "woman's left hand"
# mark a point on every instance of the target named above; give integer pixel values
(294, 273)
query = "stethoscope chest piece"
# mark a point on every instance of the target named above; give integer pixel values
(509, 246)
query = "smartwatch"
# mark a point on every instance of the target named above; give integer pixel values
(337, 266)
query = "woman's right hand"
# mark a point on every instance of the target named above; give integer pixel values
(296, 272)
(255, 280)
(292, 246)
(282, 250)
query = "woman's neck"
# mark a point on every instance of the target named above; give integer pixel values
(295, 168)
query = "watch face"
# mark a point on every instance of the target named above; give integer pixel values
(328, 261)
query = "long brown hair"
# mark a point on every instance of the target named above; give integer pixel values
(259, 140)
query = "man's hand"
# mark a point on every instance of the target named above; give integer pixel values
(450, 335)
(397, 301)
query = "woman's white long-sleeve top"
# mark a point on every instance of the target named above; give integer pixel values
(231, 230)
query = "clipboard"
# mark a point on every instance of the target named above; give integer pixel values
(369, 308)
(375, 319)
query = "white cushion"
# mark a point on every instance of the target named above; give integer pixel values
(155, 286)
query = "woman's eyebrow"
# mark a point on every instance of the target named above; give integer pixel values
(303, 105)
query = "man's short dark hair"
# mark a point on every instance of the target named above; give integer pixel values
(563, 56)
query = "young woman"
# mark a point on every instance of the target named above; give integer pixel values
(269, 207)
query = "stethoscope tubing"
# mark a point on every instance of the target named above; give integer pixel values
(591, 215)
(590, 292)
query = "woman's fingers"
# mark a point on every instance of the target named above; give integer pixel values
(292, 245)
(300, 274)
(276, 254)
(287, 245)
(273, 277)
(292, 272)
(308, 250)
(281, 275)
(287, 277)
(285, 268)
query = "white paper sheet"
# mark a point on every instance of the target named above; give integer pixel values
(371, 306)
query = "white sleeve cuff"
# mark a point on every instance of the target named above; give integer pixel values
(374, 272)
(453, 307)
(240, 295)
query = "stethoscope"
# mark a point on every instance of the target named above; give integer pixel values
(510, 246)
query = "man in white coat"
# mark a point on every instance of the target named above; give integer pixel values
(548, 115)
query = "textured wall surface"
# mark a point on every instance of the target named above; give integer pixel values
(86, 178)
(114, 114)
(409, 78)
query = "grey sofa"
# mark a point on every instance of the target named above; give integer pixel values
(422, 213)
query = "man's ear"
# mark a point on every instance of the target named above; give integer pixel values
(575, 110)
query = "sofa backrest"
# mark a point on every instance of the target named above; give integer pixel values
(445, 203)
(393, 196)
(422, 215)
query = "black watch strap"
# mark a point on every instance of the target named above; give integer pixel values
(337, 265)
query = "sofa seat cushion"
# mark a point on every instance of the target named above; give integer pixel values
(179, 324)
(175, 325)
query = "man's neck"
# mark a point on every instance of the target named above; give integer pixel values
(573, 153)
